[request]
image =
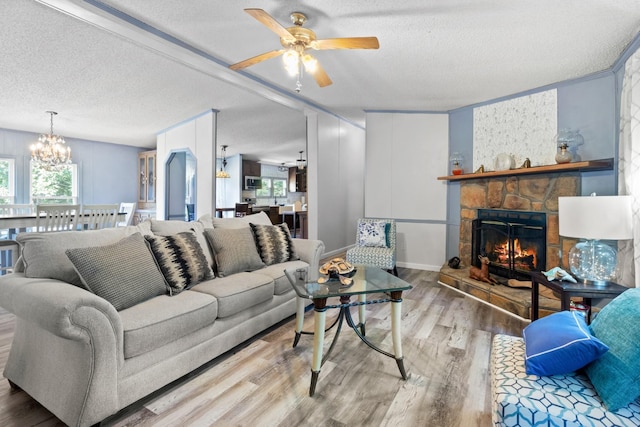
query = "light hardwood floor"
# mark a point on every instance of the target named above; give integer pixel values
(446, 341)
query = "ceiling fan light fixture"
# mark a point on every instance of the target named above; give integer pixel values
(310, 63)
(291, 60)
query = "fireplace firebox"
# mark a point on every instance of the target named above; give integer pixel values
(514, 241)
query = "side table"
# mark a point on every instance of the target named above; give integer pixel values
(586, 290)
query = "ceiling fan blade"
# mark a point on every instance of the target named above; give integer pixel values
(347, 43)
(252, 61)
(321, 76)
(268, 21)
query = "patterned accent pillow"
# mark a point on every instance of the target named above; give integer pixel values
(373, 234)
(124, 273)
(181, 259)
(234, 250)
(274, 243)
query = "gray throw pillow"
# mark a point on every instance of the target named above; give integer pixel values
(181, 259)
(124, 273)
(274, 243)
(234, 250)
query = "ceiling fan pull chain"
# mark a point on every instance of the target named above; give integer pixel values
(298, 82)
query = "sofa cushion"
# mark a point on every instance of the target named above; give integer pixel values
(181, 259)
(243, 222)
(43, 253)
(237, 292)
(276, 272)
(162, 320)
(124, 273)
(560, 343)
(273, 243)
(170, 228)
(372, 234)
(616, 375)
(234, 250)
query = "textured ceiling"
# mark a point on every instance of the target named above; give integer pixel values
(122, 71)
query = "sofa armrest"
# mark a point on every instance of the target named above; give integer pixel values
(310, 251)
(61, 308)
(66, 339)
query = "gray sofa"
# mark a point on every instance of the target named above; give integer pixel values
(84, 361)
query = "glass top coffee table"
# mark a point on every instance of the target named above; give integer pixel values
(366, 280)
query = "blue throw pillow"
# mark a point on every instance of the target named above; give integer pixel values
(616, 376)
(560, 343)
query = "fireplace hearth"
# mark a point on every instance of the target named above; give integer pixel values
(514, 242)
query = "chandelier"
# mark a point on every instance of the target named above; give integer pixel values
(222, 173)
(301, 163)
(50, 151)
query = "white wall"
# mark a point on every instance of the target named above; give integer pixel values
(335, 180)
(198, 136)
(405, 153)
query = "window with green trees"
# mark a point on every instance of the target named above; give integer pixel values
(57, 185)
(7, 181)
(272, 187)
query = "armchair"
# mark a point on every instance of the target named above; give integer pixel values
(375, 244)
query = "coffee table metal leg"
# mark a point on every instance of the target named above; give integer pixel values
(299, 319)
(396, 311)
(319, 316)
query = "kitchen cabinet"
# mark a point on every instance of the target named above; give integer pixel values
(146, 177)
(250, 168)
(297, 180)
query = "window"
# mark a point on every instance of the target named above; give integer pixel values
(7, 181)
(272, 187)
(57, 185)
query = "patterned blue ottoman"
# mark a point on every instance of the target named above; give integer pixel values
(521, 400)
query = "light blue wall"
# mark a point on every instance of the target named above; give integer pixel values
(108, 173)
(587, 104)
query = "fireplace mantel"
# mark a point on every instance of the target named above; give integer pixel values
(589, 165)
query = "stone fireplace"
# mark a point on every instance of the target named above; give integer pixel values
(526, 193)
(513, 196)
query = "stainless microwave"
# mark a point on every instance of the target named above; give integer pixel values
(252, 183)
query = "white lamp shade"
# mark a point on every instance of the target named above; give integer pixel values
(596, 217)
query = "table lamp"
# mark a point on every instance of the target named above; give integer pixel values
(595, 218)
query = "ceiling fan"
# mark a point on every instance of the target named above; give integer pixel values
(296, 40)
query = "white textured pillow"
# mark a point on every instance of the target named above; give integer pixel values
(372, 234)
(260, 218)
(43, 253)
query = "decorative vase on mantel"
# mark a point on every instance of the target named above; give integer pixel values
(563, 155)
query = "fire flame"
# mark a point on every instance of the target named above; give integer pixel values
(502, 251)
